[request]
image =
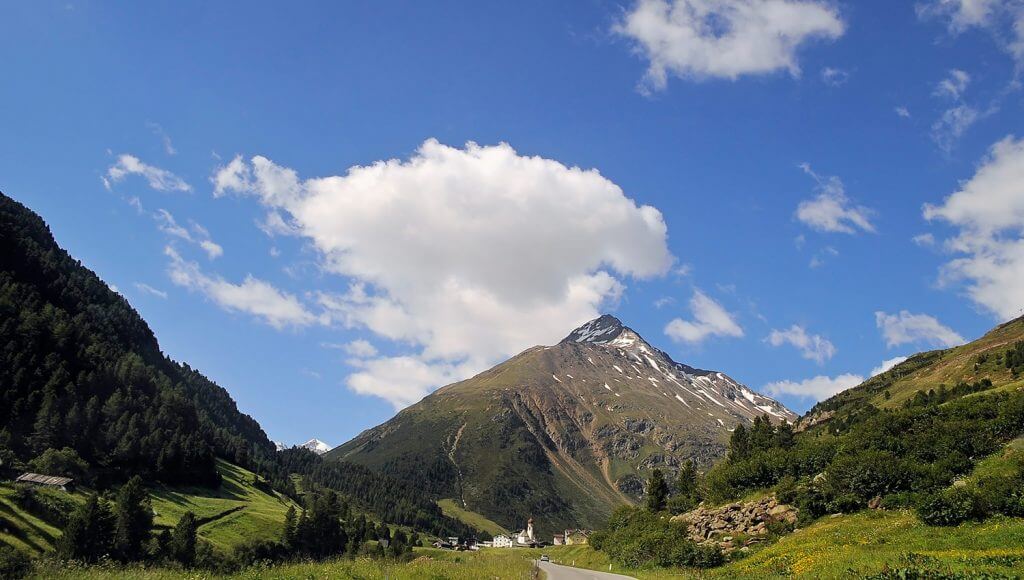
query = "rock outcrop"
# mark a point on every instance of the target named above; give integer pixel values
(737, 524)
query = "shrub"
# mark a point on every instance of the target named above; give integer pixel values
(951, 507)
(638, 539)
(14, 563)
(48, 507)
(65, 462)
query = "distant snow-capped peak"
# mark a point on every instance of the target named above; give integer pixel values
(316, 446)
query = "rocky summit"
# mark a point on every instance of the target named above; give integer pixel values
(568, 431)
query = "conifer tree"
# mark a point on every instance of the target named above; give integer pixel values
(89, 533)
(133, 521)
(290, 523)
(182, 546)
(657, 492)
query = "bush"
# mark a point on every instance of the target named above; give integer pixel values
(65, 462)
(48, 507)
(14, 563)
(951, 507)
(639, 539)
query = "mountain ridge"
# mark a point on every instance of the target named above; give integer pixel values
(568, 430)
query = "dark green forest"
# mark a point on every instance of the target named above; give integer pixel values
(85, 391)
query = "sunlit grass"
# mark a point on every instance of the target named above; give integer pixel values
(433, 565)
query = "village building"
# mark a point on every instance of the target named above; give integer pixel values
(559, 540)
(502, 541)
(576, 537)
(526, 538)
(63, 483)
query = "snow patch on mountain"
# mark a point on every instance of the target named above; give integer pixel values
(317, 446)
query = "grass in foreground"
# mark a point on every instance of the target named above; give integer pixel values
(429, 564)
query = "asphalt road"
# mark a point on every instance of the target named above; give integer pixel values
(556, 572)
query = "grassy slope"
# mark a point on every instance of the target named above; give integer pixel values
(451, 509)
(863, 543)
(23, 530)
(928, 370)
(236, 512)
(854, 546)
(433, 564)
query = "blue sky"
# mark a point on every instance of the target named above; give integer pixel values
(790, 191)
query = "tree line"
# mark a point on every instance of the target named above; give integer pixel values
(86, 392)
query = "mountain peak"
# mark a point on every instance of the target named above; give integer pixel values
(316, 446)
(599, 330)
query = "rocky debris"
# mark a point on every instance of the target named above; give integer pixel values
(816, 418)
(630, 484)
(737, 524)
(642, 426)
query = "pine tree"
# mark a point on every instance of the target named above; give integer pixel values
(686, 481)
(761, 434)
(784, 435)
(182, 546)
(657, 491)
(290, 523)
(739, 444)
(89, 533)
(133, 521)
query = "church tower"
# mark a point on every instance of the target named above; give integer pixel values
(529, 530)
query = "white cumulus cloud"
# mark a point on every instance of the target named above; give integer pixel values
(905, 327)
(988, 211)
(817, 388)
(467, 255)
(403, 380)
(360, 348)
(709, 319)
(822, 387)
(157, 178)
(811, 346)
(724, 38)
(887, 364)
(253, 296)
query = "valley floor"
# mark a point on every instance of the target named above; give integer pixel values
(854, 546)
(850, 546)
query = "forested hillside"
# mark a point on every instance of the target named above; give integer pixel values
(86, 392)
(81, 370)
(907, 438)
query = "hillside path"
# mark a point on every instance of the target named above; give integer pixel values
(557, 572)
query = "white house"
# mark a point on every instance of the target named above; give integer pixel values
(502, 541)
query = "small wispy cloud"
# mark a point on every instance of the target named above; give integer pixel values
(157, 178)
(165, 139)
(147, 289)
(834, 77)
(831, 210)
(811, 346)
(709, 319)
(197, 235)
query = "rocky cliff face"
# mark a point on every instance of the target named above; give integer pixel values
(563, 433)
